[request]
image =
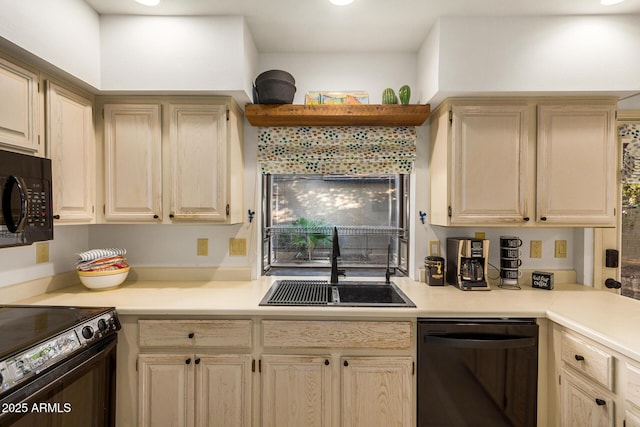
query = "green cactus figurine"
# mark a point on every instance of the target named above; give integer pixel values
(405, 94)
(389, 96)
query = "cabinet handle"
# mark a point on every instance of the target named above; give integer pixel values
(526, 219)
(543, 218)
(346, 363)
(188, 361)
(326, 362)
(600, 402)
(191, 335)
(56, 217)
(156, 217)
(197, 361)
(171, 216)
(579, 357)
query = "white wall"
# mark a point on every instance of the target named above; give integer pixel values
(18, 265)
(371, 72)
(64, 33)
(559, 54)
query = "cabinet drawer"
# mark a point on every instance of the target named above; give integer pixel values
(195, 333)
(631, 419)
(633, 384)
(588, 359)
(343, 334)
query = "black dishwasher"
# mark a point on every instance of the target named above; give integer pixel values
(477, 372)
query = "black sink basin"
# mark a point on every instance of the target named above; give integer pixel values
(321, 293)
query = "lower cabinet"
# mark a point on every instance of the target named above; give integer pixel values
(195, 390)
(298, 374)
(360, 373)
(584, 404)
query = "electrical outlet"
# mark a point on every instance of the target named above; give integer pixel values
(203, 247)
(238, 247)
(535, 251)
(42, 252)
(561, 248)
(434, 247)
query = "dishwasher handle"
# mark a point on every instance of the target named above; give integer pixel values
(481, 341)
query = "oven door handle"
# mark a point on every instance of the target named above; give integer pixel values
(13, 225)
(481, 341)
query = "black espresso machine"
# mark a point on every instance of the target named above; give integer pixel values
(467, 262)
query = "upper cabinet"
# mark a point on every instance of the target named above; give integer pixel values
(173, 159)
(132, 162)
(19, 108)
(71, 146)
(511, 162)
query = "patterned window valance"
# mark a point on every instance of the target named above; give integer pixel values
(630, 137)
(348, 150)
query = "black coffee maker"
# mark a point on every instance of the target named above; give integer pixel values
(467, 263)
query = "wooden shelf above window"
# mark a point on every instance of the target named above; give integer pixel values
(336, 115)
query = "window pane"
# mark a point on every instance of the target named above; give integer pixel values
(305, 208)
(630, 259)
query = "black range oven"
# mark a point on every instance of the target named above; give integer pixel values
(57, 365)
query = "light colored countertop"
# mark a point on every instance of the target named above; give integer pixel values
(610, 319)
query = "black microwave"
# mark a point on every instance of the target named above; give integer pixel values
(27, 210)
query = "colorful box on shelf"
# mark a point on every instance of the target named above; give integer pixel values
(337, 98)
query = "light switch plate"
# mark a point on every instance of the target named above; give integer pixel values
(535, 250)
(203, 247)
(561, 248)
(238, 247)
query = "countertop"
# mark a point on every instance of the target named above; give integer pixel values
(608, 318)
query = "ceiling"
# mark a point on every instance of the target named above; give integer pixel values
(363, 26)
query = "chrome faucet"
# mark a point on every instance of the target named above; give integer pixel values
(335, 253)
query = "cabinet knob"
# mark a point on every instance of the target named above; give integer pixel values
(525, 219)
(156, 217)
(171, 216)
(56, 217)
(600, 402)
(346, 363)
(543, 218)
(326, 362)
(188, 361)
(191, 335)
(579, 357)
(197, 361)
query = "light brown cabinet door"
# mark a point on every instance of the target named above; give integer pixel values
(296, 391)
(133, 176)
(223, 390)
(376, 391)
(19, 108)
(576, 164)
(584, 405)
(198, 144)
(71, 145)
(166, 390)
(490, 157)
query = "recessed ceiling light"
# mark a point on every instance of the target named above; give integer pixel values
(149, 2)
(610, 2)
(341, 2)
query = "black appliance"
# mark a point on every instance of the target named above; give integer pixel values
(468, 263)
(27, 210)
(477, 372)
(57, 365)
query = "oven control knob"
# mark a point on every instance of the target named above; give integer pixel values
(87, 332)
(102, 325)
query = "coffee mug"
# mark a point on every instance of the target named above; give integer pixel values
(510, 241)
(510, 262)
(510, 253)
(506, 273)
